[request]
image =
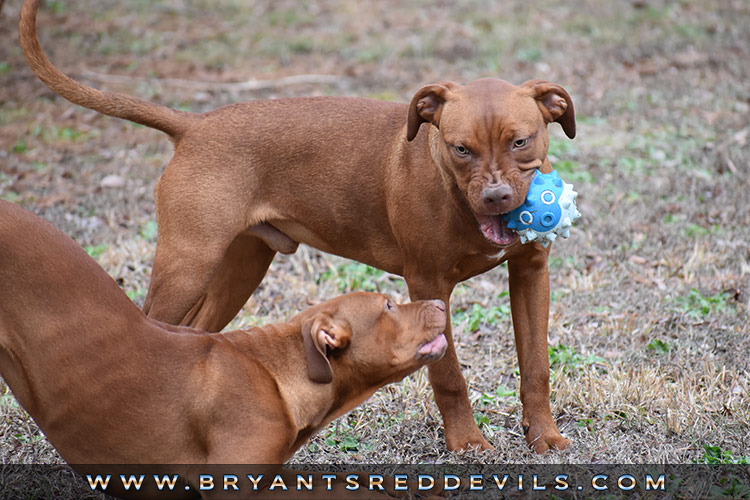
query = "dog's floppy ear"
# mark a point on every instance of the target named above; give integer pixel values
(322, 334)
(555, 104)
(426, 106)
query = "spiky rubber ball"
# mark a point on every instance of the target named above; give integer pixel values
(548, 212)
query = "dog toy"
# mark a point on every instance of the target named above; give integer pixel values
(549, 210)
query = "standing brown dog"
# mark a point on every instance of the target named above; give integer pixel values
(357, 178)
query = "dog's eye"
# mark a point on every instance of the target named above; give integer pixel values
(519, 143)
(461, 150)
(388, 305)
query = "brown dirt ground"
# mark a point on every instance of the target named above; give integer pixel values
(648, 328)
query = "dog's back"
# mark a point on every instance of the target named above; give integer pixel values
(37, 262)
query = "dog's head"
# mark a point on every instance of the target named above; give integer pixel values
(368, 338)
(492, 137)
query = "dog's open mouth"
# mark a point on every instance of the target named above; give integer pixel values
(434, 349)
(496, 230)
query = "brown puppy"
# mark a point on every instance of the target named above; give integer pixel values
(357, 178)
(108, 385)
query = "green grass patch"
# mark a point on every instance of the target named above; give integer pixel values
(502, 392)
(346, 442)
(569, 359)
(572, 172)
(10, 196)
(302, 44)
(8, 401)
(24, 439)
(715, 455)
(484, 423)
(559, 147)
(149, 231)
(586, 424)
(699, 306)
(343, 438)
(730, 487)
(528, 54)
(56, 7)
(136, 294)
(355, 276)
(20, 147)
(55, 134)
(10, 115)
(560, 151)
(479, 315)
(95, 250)
(289, 18)
(493, 399)
(671, 218)
(388, 420)
(632, 164)
(658, 346)
(693, 230)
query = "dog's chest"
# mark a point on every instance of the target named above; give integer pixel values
(497, 257)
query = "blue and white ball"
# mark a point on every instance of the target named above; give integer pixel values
(549, 210)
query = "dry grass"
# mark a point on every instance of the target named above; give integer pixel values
(649, 318)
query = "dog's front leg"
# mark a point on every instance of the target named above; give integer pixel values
(529, 301)
(446, 379)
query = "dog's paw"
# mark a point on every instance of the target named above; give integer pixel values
(543, 439)
(460, 443)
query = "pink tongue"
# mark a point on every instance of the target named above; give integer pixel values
(495, 229)
(434, 346)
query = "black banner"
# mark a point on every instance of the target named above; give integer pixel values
(465, 481)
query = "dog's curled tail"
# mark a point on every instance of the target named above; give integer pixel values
(115, 104)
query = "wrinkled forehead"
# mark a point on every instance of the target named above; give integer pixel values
(491, 107)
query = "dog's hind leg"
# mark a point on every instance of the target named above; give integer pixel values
(244, 265)
(208, 261)
(182, 272)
